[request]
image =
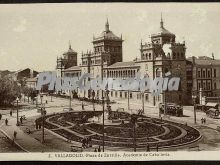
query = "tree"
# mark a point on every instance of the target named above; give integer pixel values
(9, 90)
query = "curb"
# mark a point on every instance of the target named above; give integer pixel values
(14, 141)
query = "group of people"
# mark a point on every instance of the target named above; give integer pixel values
(97, 149)
(148, 147)
(86, 142)
(38, 124)
(203, 120)
(6, 120)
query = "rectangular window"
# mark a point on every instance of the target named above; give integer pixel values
(131, 95)
(214, 72)
(203, 73)
(120, 94)
(116, 94)
(209, 75)
(125, 94)
(146, 97)
(198, 73)
(215, 87)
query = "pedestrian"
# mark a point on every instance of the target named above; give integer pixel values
(83, 142)
(148, 147)
(15, 134)
(6, 121)
(0, 116)
(204, 120)
(95, 150)
(157, 147)
(21, 120)
(36, 124)
(10, 112)
(99, 149)
(82, 106)
(46, 101)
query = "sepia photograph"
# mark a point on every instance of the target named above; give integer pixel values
(109, 81)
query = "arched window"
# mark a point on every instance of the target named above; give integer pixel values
(158, 72)
(146, 56)
(174, 55)
(178, 56)
(182, 56)
(149, 56)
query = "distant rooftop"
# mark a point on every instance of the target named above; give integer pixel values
(204, 60)
(73, 68)
(124, 64)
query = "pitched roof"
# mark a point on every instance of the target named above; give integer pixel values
(124, 64)
(205, 61)
(73, 68)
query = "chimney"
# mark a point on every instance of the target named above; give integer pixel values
(213, 57)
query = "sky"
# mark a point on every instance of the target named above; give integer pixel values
(33, 35)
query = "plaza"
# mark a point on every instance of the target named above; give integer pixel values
(70, 138)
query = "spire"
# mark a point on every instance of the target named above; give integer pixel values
(161, 21)
(69, 45)
(107, 26)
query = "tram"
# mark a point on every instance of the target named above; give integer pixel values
(171, 109)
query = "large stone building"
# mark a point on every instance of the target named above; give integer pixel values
(67, 60)
(160, 55)
(205, 75)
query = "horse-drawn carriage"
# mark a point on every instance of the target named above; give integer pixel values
(171, 109)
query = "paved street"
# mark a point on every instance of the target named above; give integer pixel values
(53, 143)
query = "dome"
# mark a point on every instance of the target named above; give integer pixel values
(162, 30)
(107, 34)
(70, 51)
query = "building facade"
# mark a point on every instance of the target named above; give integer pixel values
(162, 54)
(205, 75)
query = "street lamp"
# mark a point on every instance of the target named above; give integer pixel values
(17, 99)
(134, 121)
(70, 101)
(194, 107)
(93, 101)
(41, 98)
(43, 113)
(143, 101)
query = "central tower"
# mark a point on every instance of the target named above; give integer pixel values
(109, 43)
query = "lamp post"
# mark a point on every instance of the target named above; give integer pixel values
(143, 101)
(93, 96)
(17, 111)
(128, 100)
(70, 101)
(134, 121)
(103, 109)
(43, 113)
(194, 108)
(41, 98)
